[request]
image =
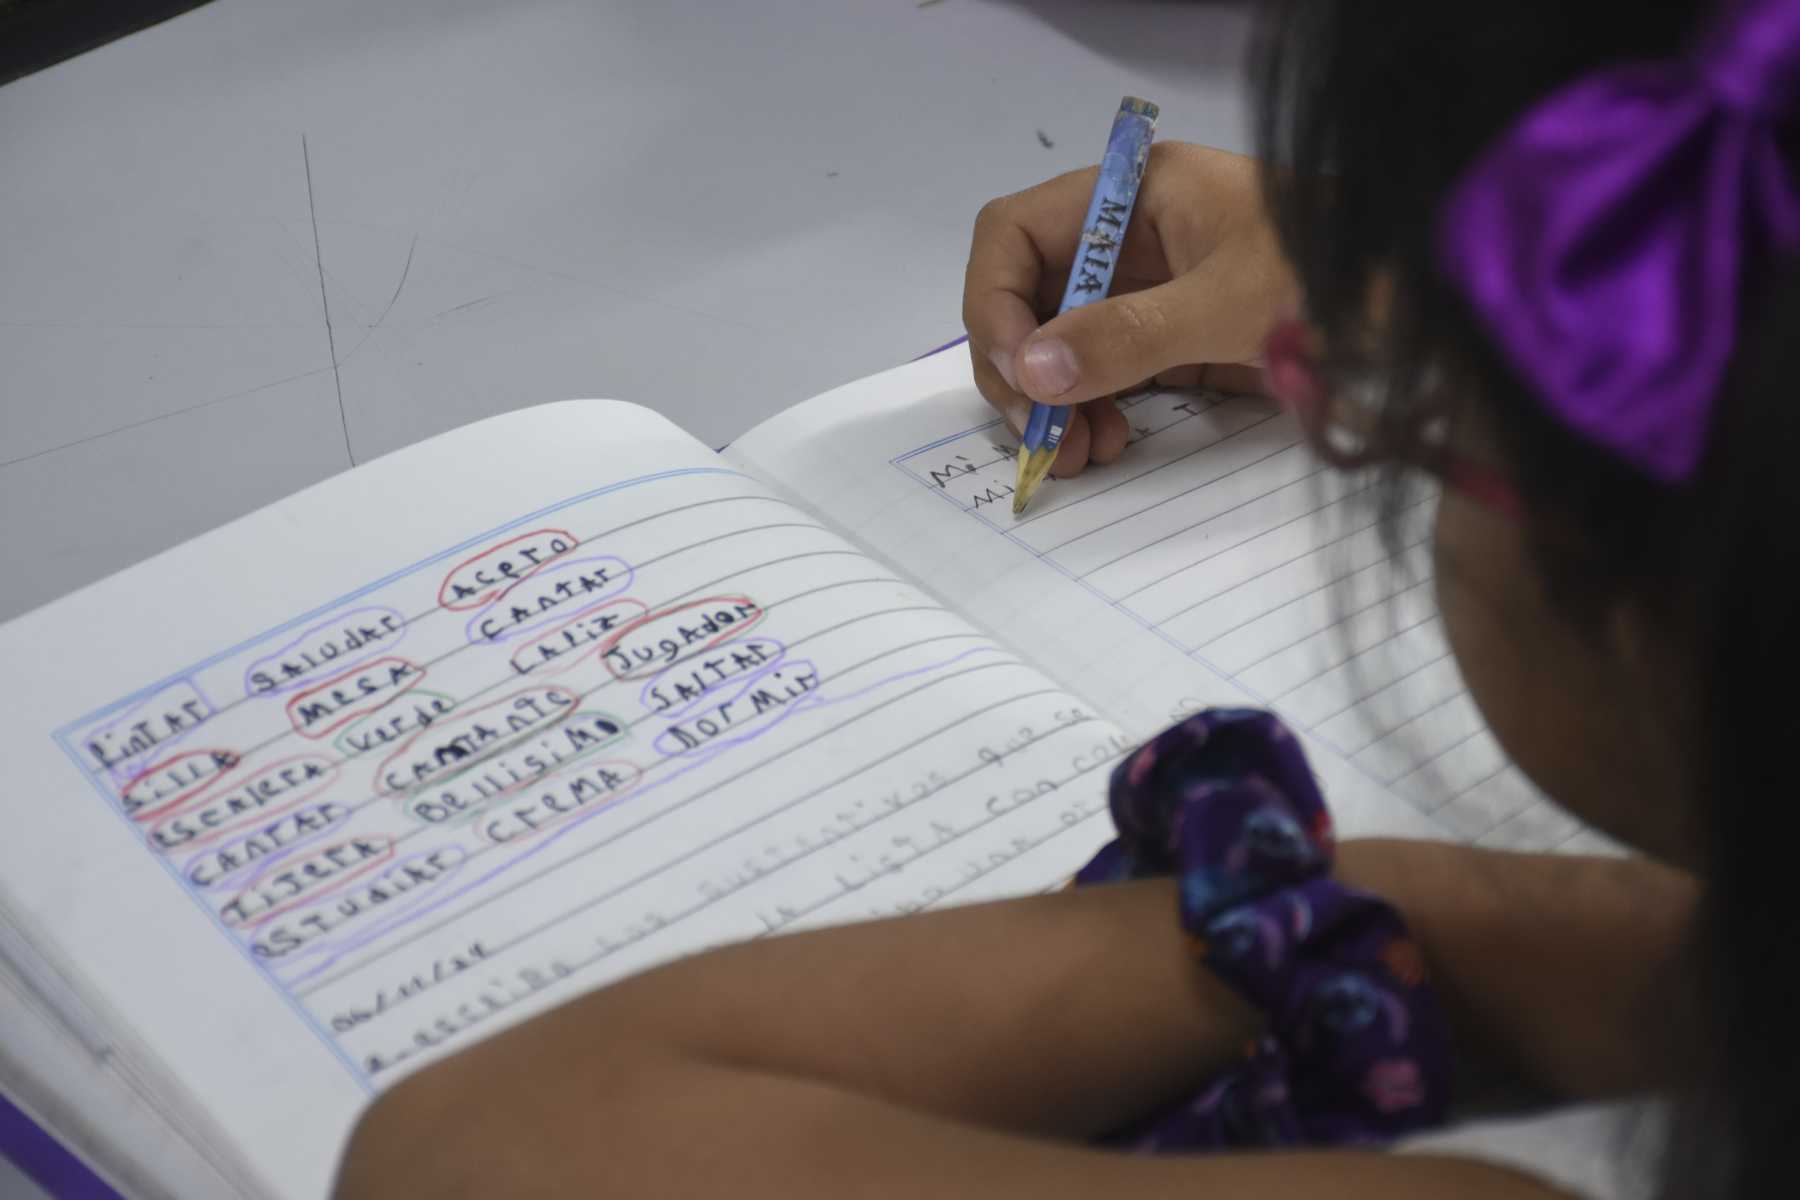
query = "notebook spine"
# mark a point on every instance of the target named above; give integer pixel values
(57, 996)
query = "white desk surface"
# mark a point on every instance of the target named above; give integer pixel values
(715, 209)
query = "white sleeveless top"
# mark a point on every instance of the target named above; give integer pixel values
(1591, 1151)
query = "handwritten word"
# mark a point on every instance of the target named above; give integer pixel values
(164, 786)
(267, 791)
(497, 997)
(676, 689)
(977, 866)
(281, 935)
(858, 870)
(455, 744)
(548, 596)
(1104, 751)
(599, 783)
(332, 644)
(961, 465)
(555, 651)
(475, 581)
(441, 970)
(859, 814)
(173, 712)
(337, 702)
(392, 722)
(210, 868)
(771, 693)
(656, 641)
(277, 890)
(517, 768)
(993, 494)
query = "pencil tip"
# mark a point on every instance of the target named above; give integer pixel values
(1033, 466)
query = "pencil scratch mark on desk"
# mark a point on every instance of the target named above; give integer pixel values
(467, 304)
(405, 271)
(325, 299)
(174, 412)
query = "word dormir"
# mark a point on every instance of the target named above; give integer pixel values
(212, 867)
(552, 652)
(770, 693)
(662, 638)
(547, 596)
(174, 780)
(680, 687)
(337, 702)
(173, 712)
(299, 877)
(332, 646)
(313, 919)
(272, 787)
(450, 745)
(516, 767)
(475, 581)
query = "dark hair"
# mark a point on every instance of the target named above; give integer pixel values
(1367, 115)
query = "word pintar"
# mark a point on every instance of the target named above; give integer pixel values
(305, 877)
(472, 582)
(305, 924)
(556, 651)
(594, 785)
(674, 690)
(217, 865)
(773, 692)
(317, 711)
(265, 792)
(162, 787)
(516, 767)
(387, 726)
(548, 596)
(450, 746)
(172, 713)
(662, 638)
(334, 645)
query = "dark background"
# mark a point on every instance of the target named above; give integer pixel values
(37, 33)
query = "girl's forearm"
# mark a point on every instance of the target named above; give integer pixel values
(1068, 1015)
(911, 1055)
(1064, 1015)
(1559, 970)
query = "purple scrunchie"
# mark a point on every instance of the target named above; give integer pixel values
(1357, 1050)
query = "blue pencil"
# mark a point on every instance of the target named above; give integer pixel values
(1090, 277)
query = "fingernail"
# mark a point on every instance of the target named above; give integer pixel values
(1017, 412)
(1002, 360)
(1048, 367)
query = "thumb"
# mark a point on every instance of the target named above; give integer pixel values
(1115, 344)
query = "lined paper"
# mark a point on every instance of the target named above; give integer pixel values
(654, 707)
(1260, 576)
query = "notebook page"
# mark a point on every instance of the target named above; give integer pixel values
(1216, 563)
(442, 742)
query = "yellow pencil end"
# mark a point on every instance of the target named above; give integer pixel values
(1033, 466)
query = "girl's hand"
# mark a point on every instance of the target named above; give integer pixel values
(1200, 282)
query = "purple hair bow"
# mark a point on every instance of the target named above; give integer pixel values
(1605, 239)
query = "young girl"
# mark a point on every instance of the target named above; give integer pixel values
(1542, 253)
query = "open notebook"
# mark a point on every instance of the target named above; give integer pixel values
(416, 753)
